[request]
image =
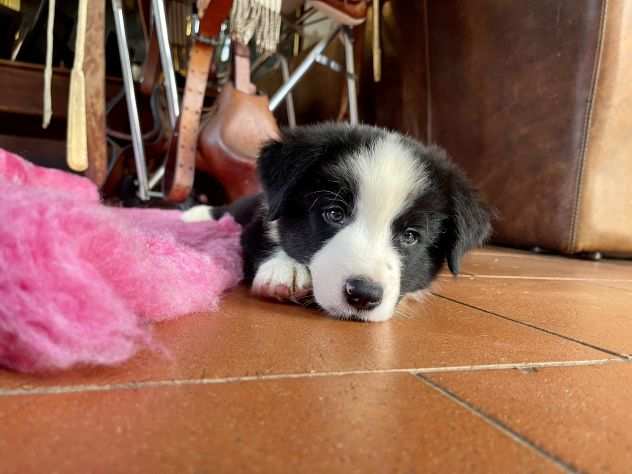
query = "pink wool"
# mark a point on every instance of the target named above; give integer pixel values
(79, 281)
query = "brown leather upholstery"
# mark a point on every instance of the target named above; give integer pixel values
(534, 99)
(604, 208)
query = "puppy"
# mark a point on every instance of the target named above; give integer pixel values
(353, 219)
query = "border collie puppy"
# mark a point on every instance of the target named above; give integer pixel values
(355, 217)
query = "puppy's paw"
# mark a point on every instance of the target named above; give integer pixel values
(282, 278)
(197, 214)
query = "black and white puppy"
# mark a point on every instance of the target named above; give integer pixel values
(355, 216)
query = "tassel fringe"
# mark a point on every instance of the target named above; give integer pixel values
(258, 19)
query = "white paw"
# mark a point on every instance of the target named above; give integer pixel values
(283, 278)
(197, 214)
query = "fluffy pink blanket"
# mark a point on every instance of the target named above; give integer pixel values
(80, 281)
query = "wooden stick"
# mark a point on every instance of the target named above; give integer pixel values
(94, 69)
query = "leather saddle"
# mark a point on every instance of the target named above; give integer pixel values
(233, 133)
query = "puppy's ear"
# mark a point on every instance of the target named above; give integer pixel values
(281, 165)
(284, 163)
(470, 220)
(271, 166)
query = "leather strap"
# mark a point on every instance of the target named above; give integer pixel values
(180, 165)
(151, 66)
(242, 69)
(180, 169)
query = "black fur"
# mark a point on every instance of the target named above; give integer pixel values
(298, 182)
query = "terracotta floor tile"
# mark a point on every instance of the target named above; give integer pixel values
(497, 262)
(585, 311)
(580, 414)
(250, 337)
(370, 423)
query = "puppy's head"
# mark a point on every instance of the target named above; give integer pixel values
(372, 214)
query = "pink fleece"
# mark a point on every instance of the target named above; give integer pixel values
(79, 281)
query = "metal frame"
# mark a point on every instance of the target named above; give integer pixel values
(130, 97)
(145, 186)
(289, 100)
(302, 68)
(290, 81)
(347, 39)
(316, 56)
(166, 60)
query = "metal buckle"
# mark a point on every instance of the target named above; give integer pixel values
(197, 37)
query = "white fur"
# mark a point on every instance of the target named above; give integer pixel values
(273, 231)
(388, 176)
(283, 278)
(197, 214)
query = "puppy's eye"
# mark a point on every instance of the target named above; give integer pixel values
(334, 215)
(409, 237)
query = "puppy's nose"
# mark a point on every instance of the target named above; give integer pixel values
(362, 293)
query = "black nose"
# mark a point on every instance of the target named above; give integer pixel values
(362, 293)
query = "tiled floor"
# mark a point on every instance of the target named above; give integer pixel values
(520, 365)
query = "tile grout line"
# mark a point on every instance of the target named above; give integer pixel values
(509, 253)
(472, 276)
(499, 425)
(533, 326)
(551, 257)
(66, 389)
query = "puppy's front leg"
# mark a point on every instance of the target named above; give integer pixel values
(283, 278)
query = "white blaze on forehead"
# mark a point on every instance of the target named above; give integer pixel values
(388, 175)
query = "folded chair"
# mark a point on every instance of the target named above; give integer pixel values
(345, 14)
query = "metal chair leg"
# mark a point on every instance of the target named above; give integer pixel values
(166, 60)
(347, 40)
(130, 96)
(289, 100)
(300, 71)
